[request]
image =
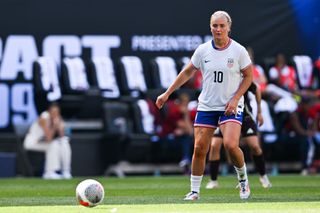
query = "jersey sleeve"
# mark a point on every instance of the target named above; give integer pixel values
(245, 60)
(196, 59)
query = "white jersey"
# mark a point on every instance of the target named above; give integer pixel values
(36, 130)
(221, 72)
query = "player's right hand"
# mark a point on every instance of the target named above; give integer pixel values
(161, 100)
(260, 119)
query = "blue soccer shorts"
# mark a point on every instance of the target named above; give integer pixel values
(213, 119)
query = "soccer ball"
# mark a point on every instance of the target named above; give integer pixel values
(89, 193)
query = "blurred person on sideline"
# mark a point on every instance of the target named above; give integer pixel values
(283, 75)
(302, 122)
(258, 73)
(47, 134)
(314, 143)
(249, 135)
(227, 74)
(260, 79)
(281, 94)
(284, 96)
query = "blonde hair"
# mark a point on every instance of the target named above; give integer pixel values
(219, 14)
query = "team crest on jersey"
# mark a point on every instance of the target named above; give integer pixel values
(230, 62)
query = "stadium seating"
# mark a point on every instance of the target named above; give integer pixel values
(77, 92)
(131, 76)
(73, 76)
(124, 137)
(183, 61)
(125, 128)
(163, 72)
(102, 74)
(46, 82)
(32, 161)
(304, 70)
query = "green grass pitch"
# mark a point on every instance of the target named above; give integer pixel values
(289, 193)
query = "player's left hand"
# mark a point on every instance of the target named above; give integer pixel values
(231, 107)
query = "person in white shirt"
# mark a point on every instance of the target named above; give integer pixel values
(47, 135)
(227, 73)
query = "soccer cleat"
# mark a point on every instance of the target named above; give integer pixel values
(192, 196)
(212, 184)
(51, 176)
(264, 180)
(304, 172)
(66, 175)
(244, 189)
(185, 165)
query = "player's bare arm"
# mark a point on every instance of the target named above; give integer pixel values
(258, 100)
(48, 132)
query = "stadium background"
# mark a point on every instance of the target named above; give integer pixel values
(269, 26)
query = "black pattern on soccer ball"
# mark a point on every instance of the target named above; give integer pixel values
(93, 193)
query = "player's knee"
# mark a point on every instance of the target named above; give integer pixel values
(212, 149)
(199, 151)
(256, 150)
(64, 139)
(54, 144)
(230, 147)
(28, 146)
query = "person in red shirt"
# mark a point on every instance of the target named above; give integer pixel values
(283, 75)
(259, 76)
(301, 123)
(313, 161)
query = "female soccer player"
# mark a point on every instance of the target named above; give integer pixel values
(227, 74)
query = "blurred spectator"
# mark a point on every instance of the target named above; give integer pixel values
(311, 153)
(282, 85)
(317, 74)
(317, 64)
(282, 95)
(315, 116)
(177, 127)
(259, 76)
(283, 75)
(301, 124)
(47, 134)
(261, 81)
(285, 94)
(278, 93)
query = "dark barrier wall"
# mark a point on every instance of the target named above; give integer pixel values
(145, 28)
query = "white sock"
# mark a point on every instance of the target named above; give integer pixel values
(241, 172)
(195, 183)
